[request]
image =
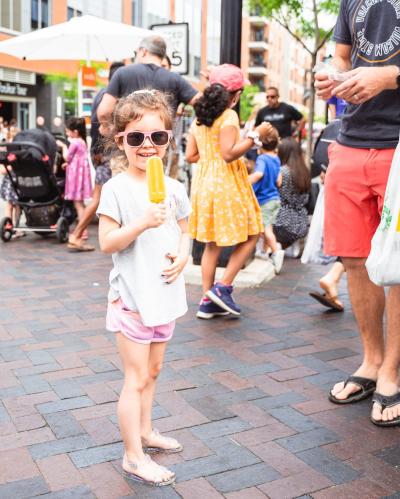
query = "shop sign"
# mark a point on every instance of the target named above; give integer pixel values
(13, 89)
(88, 76)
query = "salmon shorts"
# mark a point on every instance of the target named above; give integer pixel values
(122, 320)
(354, 194)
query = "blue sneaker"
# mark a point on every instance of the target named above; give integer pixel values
(208, 310)
(222, 296)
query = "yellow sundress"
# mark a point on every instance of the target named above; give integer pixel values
(224, 207)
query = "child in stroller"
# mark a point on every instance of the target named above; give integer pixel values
(29, 161)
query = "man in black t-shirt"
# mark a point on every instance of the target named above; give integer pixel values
(280, 114)
(367, 50)
(146, 72)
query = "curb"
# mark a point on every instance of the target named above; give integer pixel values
(256, 273)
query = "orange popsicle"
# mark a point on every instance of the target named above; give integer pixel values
(155, 180)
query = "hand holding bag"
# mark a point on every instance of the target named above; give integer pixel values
(313, 250)
(383, 263)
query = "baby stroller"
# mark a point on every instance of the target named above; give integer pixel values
(29, 162)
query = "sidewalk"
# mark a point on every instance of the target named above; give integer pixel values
(246, 397)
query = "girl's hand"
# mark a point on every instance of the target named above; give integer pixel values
(264, 129)
(155, 215)
(173, 271)
(64, 166)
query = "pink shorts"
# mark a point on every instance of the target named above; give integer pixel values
(121, 319)
(354, 193)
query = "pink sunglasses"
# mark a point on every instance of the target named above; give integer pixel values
(158, 138)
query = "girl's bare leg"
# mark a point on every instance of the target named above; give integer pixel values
(238, 259)
(135, 361)
(209, 264)
(80, 208)
(156, 357)
(87, 215)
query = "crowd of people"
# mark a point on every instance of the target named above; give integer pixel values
(230, 206)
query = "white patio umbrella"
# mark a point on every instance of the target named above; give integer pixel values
(85, 37)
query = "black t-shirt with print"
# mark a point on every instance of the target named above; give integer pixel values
(137, 76)
(280, 117)
(372, 28)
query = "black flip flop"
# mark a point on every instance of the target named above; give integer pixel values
(386, 401)
(367, 388)
(327, 301)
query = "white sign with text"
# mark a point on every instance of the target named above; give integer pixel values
(177, 38)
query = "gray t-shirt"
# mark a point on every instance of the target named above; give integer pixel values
(137, 76)
(136, 276)
(372, 28)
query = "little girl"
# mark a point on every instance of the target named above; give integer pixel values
(78, 185)
(150, 247)
(292, 221)
(225, 209)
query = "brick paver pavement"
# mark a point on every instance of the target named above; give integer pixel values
(246, 397)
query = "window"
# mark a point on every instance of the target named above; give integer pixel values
(137, 13)
(40, 14)
(71, 12)
(10, 14)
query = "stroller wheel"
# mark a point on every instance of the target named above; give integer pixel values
(62, 230)
(6, 228)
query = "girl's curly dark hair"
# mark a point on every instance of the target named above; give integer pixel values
(211, 104)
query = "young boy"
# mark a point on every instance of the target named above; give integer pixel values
(267, 178)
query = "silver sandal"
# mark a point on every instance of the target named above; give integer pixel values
(174, 445)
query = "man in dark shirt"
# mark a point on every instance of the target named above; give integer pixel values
(146, 72)
(366, 37)
(280, 114)
(103, 172)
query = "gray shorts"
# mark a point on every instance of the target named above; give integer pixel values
(103, 174)
(269, 211)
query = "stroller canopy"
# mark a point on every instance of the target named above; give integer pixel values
(41, 138)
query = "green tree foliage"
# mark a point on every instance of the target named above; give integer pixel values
(246, 101)
(304, 21)
(67, 87)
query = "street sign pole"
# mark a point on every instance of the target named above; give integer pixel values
(231, 31)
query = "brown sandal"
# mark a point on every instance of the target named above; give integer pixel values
(80, 246)
(327, 301)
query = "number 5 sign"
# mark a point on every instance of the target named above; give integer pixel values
(177, 38)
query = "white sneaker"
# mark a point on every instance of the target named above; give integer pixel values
(277, 260)
(294, 250)
(262, 255)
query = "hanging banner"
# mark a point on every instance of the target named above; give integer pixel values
(88, 76)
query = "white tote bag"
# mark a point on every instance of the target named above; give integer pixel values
(313, 250)
(383, 263)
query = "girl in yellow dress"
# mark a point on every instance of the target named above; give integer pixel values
(225, 211)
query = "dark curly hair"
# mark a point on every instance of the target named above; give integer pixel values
(211, 104)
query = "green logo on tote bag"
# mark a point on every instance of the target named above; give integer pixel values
(386, 218)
